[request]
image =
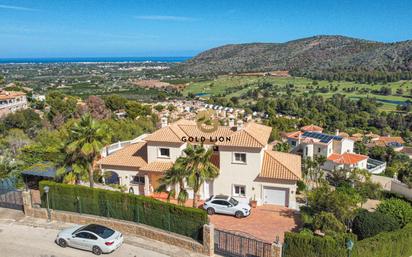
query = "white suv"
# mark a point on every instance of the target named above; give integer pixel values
(224, 204)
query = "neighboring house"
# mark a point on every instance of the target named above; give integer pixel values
(338, 150)
(248, 169)
(38, 97)
(12, 101)
(397, 143)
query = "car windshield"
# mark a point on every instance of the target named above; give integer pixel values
(233, 201)
(102, 231)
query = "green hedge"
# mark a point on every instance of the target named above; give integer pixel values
(299, 245)
(178, 219)
(368, 224)
(397, 243)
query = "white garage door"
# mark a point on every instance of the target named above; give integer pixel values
(272, 195)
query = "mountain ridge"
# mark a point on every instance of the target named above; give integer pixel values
(329, 53)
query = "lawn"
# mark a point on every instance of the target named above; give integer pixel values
(230, 86)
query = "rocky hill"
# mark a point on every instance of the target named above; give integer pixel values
(318, 53)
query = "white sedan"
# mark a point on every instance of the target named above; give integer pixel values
(95, 238)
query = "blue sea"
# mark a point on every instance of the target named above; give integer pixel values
(95, 60)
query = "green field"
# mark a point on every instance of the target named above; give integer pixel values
(230, 86)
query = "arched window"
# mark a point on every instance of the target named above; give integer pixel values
(131, 190)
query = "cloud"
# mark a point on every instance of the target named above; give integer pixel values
(164, 18)
(17, 8)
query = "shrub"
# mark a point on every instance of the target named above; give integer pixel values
(397, 243)
(389, 195)
(301, 186)
(328, 223)
(182, 220)
(398, 209)
(367, 224)
(304, 244)
(340, 202)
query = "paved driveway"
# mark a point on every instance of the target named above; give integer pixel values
(264, 223)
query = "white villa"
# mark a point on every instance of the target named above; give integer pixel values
(248, 169)
(12, 101)
(338, 150)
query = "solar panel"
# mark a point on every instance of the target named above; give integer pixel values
(324, 138)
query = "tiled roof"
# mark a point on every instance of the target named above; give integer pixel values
(157, 166)
(294, 134)
(184, 128)
(387, 140)
(193, 131)
(171, 133)
(5, 95)
(253, 135)
(311, 128)
(278, 165)
(131, 156)
(347, 158)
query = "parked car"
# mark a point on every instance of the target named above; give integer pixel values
(224, 204)
(95, 238)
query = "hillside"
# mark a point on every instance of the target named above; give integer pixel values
(319, 53)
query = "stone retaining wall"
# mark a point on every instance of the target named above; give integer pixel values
(126, 227)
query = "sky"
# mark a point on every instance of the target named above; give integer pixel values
(134, 28)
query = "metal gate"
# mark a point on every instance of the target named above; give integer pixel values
(10, 197)
(235, 245)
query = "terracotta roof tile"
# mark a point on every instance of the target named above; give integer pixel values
(157, 166)
(193, 131)
(131, 156)
(171, 133)
(294, 134)
(387, 140)
(311, 128)
(278, 165)
(253, 135)
(6, 95)
(347, 158)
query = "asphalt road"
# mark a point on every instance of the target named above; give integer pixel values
(19, 240)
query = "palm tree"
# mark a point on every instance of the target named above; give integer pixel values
(86, 139)
(199, 168)
(175, 176)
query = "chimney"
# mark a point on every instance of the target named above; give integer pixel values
(337, 132)
(163, 122)
(231, 121)
(239, 125)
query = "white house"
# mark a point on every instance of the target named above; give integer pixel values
(12, 101)
(338, 150)
(248, 169)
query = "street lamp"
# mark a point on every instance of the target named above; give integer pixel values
(46, 190)
(349, 246)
